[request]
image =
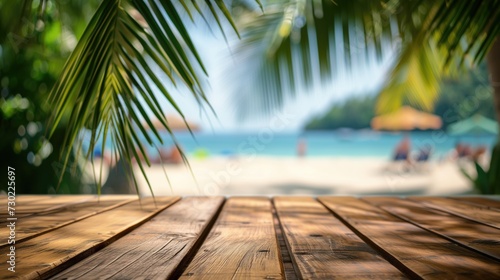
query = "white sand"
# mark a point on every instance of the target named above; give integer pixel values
(307, 176)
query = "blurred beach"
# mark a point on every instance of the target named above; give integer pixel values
(344, 162)
(265, 175)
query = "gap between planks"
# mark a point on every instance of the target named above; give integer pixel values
(37, 224)
(241, 245)
(289, 268)
(419, 253)
(27, 205)
(478, 214)
(487, 202)
(196, 246)
(322, 247)
(471, 235)
(49, 253)
(158, 249)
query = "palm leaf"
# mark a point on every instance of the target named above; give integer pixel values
(296, 42)
(450, 33)
(109, 75)
(414, 79)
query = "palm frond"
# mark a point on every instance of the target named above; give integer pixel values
(294, 43)
(451, 34)
(466, 28)
(299, 41)
(109, 77)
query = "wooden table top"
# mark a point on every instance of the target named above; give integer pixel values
(122, 237)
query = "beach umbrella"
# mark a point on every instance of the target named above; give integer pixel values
(406, 118)
(175, 123)
(476, 124)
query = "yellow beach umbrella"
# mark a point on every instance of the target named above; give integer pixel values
(406, 118)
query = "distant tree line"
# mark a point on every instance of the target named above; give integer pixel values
(460, 98)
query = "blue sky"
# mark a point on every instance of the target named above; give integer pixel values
(216, 55)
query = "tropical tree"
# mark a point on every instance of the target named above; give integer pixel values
(295, 42)
(112, 71)
(31, 57)
(288, 44)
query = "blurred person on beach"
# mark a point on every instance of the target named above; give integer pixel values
(466, 152)
(401, 161)
(479, 154)
(301, 148)
(402, 150)
(165, 156)
(462, 151)
(172, 156)
(424, 154)
(421, 160)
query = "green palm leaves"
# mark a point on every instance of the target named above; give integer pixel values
(109, 77)
(467, 29)
(303, 40)
(293, 44)
(449, 34)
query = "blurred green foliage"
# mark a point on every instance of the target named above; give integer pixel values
(460, 98)
(465, 96)
(355, 112)
(33, 49)
(486, 181)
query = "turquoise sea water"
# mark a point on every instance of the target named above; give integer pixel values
(336, 144)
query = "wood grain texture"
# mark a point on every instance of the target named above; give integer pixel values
(54, 251)
(469, 234)
(30, 204)
(241, 245)
(56, 217)
(27, 205)
(30, 199)
(421, 254)
(153, 250)
(475, 213)
(480, 201)
(324, 248)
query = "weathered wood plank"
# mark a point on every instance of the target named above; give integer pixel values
(479, 201)
(324, 248)
(54, 251)
(241, 245)
(468, 211)
(27, 205)
(30, 204)
(419, 253)
(153, 250)
(29, 198)
(23, 198)
(56, 217)
(469, 234)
